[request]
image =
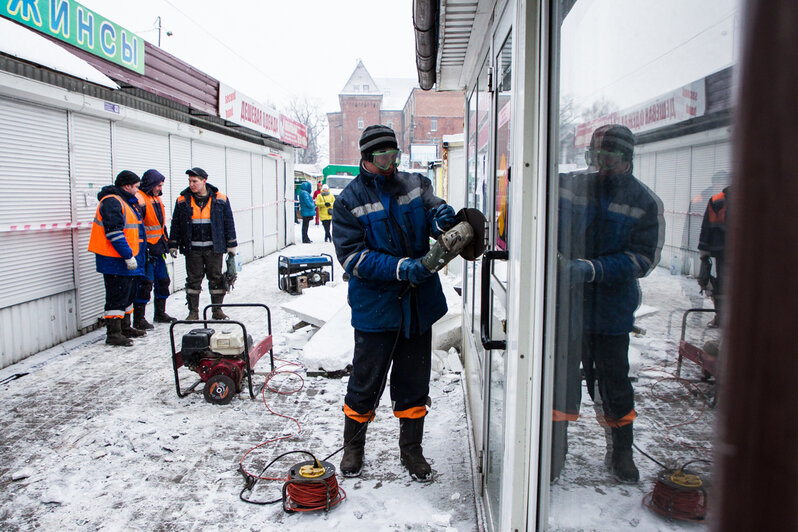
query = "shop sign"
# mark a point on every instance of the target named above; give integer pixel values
(237, 107)
(81, 27)
(673, 107)
(293, 132)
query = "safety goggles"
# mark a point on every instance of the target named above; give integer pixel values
(385, 159)
(603, 158)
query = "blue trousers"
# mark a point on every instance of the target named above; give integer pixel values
(155, 274)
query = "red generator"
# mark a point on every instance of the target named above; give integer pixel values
(221, 352)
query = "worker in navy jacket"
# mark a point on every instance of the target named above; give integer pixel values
(611, 230)
(382, 222)
(118, 242)
(203, 229)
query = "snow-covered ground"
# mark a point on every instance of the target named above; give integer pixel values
(95, 437)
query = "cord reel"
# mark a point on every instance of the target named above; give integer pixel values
(678, 494)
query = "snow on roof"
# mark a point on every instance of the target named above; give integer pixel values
(309, 169)
(25, 44)
(360, 82)
(395, 92)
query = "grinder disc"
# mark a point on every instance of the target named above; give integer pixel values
(477, 220)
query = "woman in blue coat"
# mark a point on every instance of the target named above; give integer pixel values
(307, 209)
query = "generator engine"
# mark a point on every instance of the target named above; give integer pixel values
(298, 273)
(217, 357)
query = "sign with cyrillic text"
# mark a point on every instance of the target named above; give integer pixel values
(68, 21)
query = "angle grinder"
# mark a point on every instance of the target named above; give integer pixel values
(466, 239)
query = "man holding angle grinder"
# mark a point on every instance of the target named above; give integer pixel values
(382, 222)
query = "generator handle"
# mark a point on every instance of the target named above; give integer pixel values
(332, 265)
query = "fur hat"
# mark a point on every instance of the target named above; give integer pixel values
(126, 177)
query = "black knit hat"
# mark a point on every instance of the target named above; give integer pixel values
(615, 137)
(126, 177)
(197, 172)
(375, 138)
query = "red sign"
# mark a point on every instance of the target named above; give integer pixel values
(293, 132)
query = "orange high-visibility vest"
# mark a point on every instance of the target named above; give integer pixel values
(99, 243)
(198, 214)
(152, 226)
(718, 202)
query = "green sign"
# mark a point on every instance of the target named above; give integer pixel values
(70, 22)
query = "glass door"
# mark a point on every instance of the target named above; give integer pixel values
(494, 280)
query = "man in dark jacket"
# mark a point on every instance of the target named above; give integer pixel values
(382, 222)
(118, 242)
(712, 244)
(611, 231)
(155, 273)
(202, 229)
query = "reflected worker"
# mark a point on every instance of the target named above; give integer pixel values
(611, 230)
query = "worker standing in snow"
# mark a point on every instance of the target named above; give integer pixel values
(611, 230)
(324, 206)
(156, 275)
(203, 229)
(118, 242)
(382, 222)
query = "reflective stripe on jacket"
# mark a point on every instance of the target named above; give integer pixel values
(101, 242)
(154, 227)
(377, 222)
(220, 220)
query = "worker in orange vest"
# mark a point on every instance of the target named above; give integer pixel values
(155, 272)
(118, 241)
(202, 230)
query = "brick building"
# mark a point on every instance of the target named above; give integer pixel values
(420, 118)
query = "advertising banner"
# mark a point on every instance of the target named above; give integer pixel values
(676, 106)
(293, 132)
(238, 108)
(81, 27)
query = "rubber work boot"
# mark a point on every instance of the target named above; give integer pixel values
(192, 300)
(160, 312)
(113, 334)
(139, 321)
(216, 312)
(623, 465)
(354, 443)
(411, 432)
(129, 331)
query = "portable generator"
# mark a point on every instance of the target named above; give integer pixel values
(297, 273)
(222, 355)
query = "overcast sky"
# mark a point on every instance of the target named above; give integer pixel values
(274, 51)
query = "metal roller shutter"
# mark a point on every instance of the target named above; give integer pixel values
(34, 178)
(211, 159)
(239, 190)
(258, 200)
(270, 190)
(180, 161)
(91, 170)
(139, 150)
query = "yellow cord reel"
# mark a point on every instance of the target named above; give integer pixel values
(311, 471)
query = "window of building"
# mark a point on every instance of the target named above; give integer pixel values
(433, 124)
(365, 88)
(360, 123)
(390, 124)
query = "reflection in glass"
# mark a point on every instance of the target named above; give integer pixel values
(642, 144)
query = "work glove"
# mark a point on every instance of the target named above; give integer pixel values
(131, 263)
(412, 270)
(578, 270)
(326, 204)
(173, 253)
(444, 218)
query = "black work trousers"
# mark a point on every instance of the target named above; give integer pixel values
(204, 263)
(410, 374)
(120, 291)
